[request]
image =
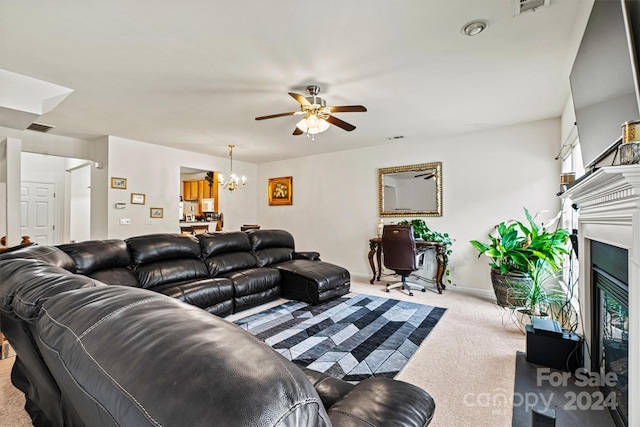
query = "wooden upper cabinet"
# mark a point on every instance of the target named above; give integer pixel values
(186, 190)
(201, 184)
(207, 190)
(190, 190)
(194, 190)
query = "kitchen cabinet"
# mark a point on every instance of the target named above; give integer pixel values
(186, 190)
(190, 190)
(196, 190)
(209, 191)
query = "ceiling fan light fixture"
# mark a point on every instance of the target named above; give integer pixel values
(474, 28)
(312, 124)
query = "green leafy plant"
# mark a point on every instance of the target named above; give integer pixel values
(209, 178)
(518, 247)
(422, 231)
(542, 295)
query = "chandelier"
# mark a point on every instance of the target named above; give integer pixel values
(234, 181)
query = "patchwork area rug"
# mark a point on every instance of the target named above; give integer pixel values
(353, 337)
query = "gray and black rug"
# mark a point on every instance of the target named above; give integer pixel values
(353, 337)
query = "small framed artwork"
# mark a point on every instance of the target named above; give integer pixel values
(156, 212)
(119, 183)
(137, 199)
(280, 191)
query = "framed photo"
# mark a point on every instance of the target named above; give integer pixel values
(156, 212)
(137, 199)
(119, 183)
(280, 191)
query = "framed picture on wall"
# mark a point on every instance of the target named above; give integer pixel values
(119, 183)
(156, 212)
(281, 191)
(137, 199)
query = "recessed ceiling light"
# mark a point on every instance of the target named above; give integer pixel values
(474, 28)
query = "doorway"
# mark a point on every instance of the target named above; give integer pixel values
(37, 211)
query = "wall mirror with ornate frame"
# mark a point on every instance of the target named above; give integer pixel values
(414, 190)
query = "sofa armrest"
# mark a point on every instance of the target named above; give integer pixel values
(329, 389)
(383, 402)
(313, 256)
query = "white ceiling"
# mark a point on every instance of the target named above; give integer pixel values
(194, 74)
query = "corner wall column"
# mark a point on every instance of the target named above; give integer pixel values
(10, 176)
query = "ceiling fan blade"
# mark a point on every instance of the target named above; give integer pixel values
(301, 99)
(341, 124)
(273, 116)
(348, 109)
(297, 131)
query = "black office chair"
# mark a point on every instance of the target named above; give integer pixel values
(400, 254)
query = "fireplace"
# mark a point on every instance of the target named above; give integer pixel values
(608, 204)
(610, 311)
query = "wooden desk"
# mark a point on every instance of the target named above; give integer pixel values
(375, 247)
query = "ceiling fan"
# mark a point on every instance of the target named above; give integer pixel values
(427, 175)
(317, 116)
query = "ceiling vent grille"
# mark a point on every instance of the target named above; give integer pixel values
(523, 6)
(39, 127)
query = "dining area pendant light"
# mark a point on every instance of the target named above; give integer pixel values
(234, 180)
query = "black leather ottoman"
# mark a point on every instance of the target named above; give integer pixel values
(313, 281)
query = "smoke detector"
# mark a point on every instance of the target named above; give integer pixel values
(523, 6)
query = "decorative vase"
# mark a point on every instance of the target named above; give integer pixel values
(503, 287)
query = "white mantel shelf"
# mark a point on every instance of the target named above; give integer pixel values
(609, 184)
(609, 211)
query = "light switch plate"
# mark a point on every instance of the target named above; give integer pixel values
(125, 221)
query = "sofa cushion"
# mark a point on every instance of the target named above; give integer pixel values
(164, 258)
(213, 295)
(271, 246)
(131, 357)
(226, 252)
(254, 286)
(48, 254)
(105, 260)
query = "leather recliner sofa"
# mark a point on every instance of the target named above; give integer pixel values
(123, 355)
(222, 273)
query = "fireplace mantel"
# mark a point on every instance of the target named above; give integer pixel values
(608, 203)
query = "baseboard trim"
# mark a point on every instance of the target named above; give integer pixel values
(482, 293)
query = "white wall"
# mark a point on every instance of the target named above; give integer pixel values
(155, 171)
(488, 177)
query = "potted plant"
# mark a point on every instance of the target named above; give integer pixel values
(422, 231)
(516, 250)
(542, 296)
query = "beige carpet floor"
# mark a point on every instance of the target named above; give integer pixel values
(467, 363)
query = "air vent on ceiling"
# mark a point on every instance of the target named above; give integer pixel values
(39, 127)
(523, 6)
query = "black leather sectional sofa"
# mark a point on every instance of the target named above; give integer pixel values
(103, 336)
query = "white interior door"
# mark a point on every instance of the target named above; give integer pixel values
(37, 211)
